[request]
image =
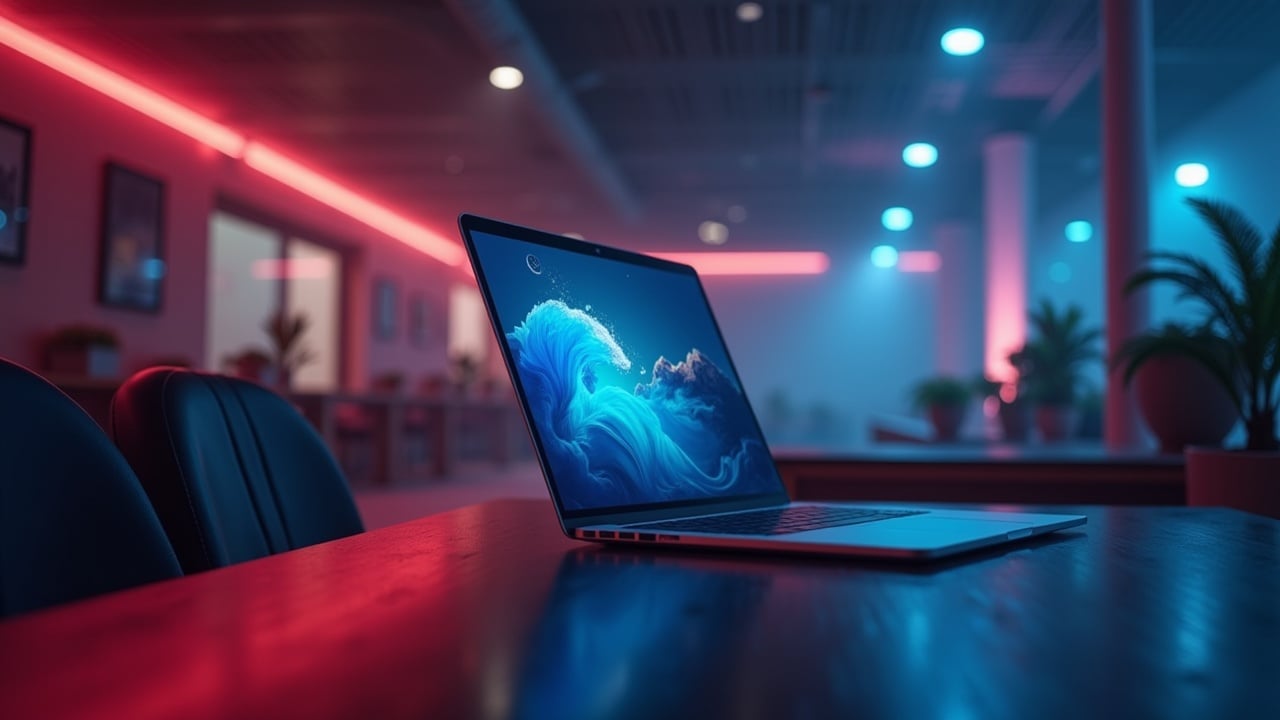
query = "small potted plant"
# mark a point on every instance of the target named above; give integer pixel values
(285, 332)
(83, 350)
(464, 370)
(1011, 410)
(1239, 348)
(1051, 367)
(943, 399)
(1181, 401)
(250, 364)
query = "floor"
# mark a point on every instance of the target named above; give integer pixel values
(469, 484)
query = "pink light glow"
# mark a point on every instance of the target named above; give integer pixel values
(752, 263)
(919, 261)
(314, 185)
(122, 89)
(292, 269)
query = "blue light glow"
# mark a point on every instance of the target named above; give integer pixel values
(1060, 272)
(884, 256)
(1191, 175)
(1079, 231)
(153, 268)
(4, 219)
(962, 41)
(920, 155)
(897, 219)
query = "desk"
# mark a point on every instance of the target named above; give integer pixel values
(489, 612)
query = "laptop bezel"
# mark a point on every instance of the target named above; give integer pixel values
(571, 520)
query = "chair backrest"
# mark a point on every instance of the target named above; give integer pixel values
(233, 470)
(74, 521)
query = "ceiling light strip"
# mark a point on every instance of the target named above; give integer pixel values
(752, 263)
(340, 198)
(122, 89)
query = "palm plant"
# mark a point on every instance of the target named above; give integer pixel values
(1240, 339)
(286, 331)
(1050, 366)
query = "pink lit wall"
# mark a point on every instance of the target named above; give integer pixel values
(76, 131)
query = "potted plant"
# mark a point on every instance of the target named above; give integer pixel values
(1051, 366)
(1013, 414)
(1179, 398)
(464, 369)
(285, 332)
(83, 350)
(943, 400)
(1241, 314)
(251, 364)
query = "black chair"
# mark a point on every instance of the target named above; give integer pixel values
(74, 521)
(233, 470)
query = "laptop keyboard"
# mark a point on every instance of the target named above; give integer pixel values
(778, 521)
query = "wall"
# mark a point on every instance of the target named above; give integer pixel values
(75, 131)
(1239, 143)
(822, 357)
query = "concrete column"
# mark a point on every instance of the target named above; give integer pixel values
(1126, 169)
(960, 304)
(1008, 213)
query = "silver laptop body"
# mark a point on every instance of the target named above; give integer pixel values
(640, 423)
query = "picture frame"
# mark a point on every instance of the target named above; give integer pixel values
(384, 309)
(131, 259)
(15, 189)
(419, 321)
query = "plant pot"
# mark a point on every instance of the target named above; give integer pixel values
(95, 361)
(946, 421)
(1015, 421)
(1056, 423)
(1241, 479)
(1182, 403)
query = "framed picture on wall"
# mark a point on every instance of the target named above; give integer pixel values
(132, 266)
(419, 321)
(384, 309)
(15, 172)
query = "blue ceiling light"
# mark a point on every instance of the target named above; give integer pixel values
(1079, 231)
(920, 155)
(962, 41)
(897, 219)
(1190, 175)
(884, 256)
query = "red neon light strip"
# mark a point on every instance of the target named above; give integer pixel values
(310, 183)
(752, 263)
(919, 261)
(120, 88)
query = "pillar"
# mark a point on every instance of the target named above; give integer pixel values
(960, 309)
(1126, 157)
(1008, 197)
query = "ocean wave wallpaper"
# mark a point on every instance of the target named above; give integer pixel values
(626, 379)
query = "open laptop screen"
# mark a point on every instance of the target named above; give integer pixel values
(625, 376)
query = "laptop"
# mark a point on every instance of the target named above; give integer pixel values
(640, 422)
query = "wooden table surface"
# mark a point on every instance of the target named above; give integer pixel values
(488, 612)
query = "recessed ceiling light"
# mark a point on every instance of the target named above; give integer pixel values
(884, 256)
(920, 155)
(505, 77)
(749, 12)
(1191, 175)
(962, 41)
(897, 219)
(713, 233)
(1078, 231)
(736, 214)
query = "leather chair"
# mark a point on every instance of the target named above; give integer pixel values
(74, 521)
(233, 470)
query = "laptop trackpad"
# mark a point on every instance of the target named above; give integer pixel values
(933, 529)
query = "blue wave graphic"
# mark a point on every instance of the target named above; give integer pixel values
(685, 434)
